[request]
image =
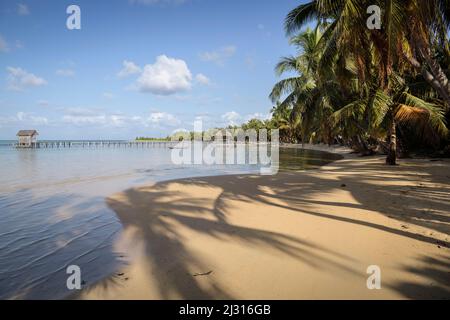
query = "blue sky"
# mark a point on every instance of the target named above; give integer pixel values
(137, 67)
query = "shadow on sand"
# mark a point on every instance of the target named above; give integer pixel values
(150, 211)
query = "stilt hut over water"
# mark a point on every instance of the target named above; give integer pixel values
(27, 138)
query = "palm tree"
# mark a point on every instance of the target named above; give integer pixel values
(399, 45)
(377, 108)
(284, 119)
(309, 93)
(410, 29)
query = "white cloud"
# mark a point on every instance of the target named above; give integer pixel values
(257, 115)
(166, 76)
(30, 118)
(119, 120)
(219, 56)
(22, 9)
(202, 79)
(158, 118)
(231, 118)
(19, 79)
(4, 47)
(65, 72)
(80, 120)
(85, 117)
(91, 117)
(234, 118)
(129, 68)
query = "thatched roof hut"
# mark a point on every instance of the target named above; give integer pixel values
(27, 138)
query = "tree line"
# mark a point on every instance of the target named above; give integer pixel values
(381, 89)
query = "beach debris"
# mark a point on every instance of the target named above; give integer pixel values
(441, 244)
(343, 185)
(203, 273)
(404, 226)
(120, 274)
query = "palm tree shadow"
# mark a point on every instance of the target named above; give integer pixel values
(435, 271)
(157, 212)
(157, 218)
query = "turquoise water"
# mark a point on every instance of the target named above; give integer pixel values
(53, 212)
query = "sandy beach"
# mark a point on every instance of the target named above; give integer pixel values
(296, 235)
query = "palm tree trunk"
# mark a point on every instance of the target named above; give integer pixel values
(391, 158)
(436, 78)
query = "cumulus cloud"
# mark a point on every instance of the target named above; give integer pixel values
(219, 56)
(129, 68)
(65, 72)
(231, 118)
(4, 47)
(19, 79)
(202, 79)
(165, 118)
(166, 76)
(22, 9)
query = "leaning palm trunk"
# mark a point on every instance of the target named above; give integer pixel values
(436, 77)
(391, 158)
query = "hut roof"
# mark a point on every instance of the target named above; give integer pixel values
(27, 133)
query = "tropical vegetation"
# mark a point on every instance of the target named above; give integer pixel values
(374, 89)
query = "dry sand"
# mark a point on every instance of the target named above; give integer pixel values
(296, 235)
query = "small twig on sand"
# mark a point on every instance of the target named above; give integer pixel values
(203, 274)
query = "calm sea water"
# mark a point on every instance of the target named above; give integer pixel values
(53, 212)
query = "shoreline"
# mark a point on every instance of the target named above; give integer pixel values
(173, 246)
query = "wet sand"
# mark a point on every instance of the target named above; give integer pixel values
(296, 235)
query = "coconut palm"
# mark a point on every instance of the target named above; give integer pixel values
(287, 121)
(310, 94)
(404, 42)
